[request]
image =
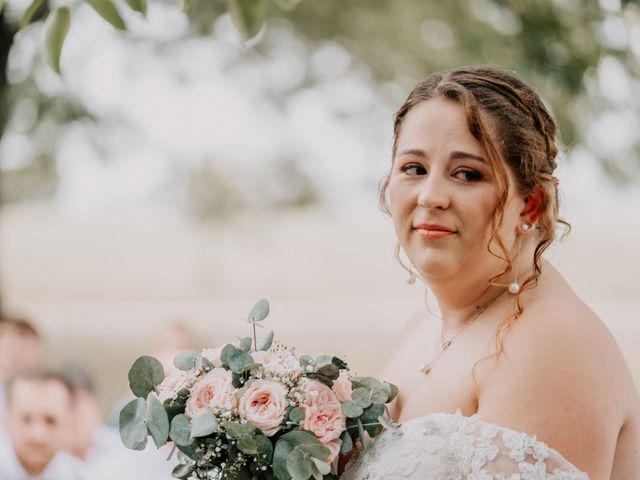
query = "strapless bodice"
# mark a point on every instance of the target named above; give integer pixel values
(444, 446)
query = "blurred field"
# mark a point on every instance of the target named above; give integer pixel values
(98, 286)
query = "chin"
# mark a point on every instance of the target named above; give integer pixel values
(438, 267)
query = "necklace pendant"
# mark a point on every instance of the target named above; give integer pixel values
(425, 369)
(446, 344)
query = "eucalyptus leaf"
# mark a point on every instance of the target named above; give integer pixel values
(56, 29)
(319, 451)
(394, 391)
(228, 352)
(370, 419)
(180, 431)
(247, 445)
(352, 409)
(280, 454)
(264, 447)
(306, 360)
(30, 12)
(108, 10)
(266, 342)
(298, 465)
(182, 471)
(203, 424)
(323, 468)
(347, 443)
(361, 396)
(133, 427)
(238, 430)
(245, 344)
(260, 310)
(324, 360)
(388, 424)
(239, 363)
(185, 361)
(145, 374)
(157, 421)
(329, 371)
(296, 415)
(341, 364)
(138, 6)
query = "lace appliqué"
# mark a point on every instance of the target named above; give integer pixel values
(456, 447)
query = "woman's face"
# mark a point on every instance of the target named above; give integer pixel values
(442, 194)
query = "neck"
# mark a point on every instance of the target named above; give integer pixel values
(460, 296)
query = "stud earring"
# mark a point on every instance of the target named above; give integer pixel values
(526, 226)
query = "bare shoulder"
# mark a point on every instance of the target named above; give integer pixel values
(562, 378)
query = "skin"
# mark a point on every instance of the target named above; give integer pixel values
(561, 376)
(37, 422)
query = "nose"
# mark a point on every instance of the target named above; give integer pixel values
(434, 192)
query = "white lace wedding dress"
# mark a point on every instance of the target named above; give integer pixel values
(444, 446)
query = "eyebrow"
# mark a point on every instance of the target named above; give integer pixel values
(456, 155)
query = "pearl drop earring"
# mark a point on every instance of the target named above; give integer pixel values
(514, 287)
(412, 276)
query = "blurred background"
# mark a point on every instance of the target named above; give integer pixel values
(173, 175)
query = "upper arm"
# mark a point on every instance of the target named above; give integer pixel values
(554, 384)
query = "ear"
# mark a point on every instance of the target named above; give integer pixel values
(532, 203)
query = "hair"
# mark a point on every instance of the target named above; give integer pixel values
(22, 327)
(43, 375)
(515, 128)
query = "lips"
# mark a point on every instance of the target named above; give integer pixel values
(433, 231)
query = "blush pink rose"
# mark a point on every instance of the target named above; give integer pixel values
(342, 387)
(215, 390)
(263, 404)
(173, 383)
(322, 412)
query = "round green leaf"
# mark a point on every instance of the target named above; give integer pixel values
(266, 342)
(247, 445)
(182, 471)
(351, 409)
(245, 344)
(361, 396)
(296, 415)
(299, 465)
(108, 10)
(56, 29)
(260, 310)
(238, 430)
(133, 427)
(280, 455)
(264, 447)
(145, 374)
(157, 421)
(180, 431)
(185, 361)
(241, 362)
(203, 424)
(347, 443)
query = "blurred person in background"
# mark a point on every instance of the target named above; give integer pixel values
(169, 340)
(38, 421)
(99, 446)
(21, 350)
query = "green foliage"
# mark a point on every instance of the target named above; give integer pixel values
(352, 409)
(259, 312)
(157, 421)
(245, 344)
(185, 361)
(145, 374)
(133, 427)
(203, 424)
(108, 10)
(182, 471)
(138, 6)
(248, 16)
(266, 342)
(56, 29)
(294, 456)
(180, 431)
(296, 415)
(238, 430)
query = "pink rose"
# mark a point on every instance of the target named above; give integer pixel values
(175, 382)
(215, 390)
(263, 404)
(322, 412)
(213, 355)
(342, 387)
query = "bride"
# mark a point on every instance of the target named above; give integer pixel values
(517, 378)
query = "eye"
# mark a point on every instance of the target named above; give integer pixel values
(467, 175)
(413, 170)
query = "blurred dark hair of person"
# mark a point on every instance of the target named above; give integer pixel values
(20, 350)
(37, 421)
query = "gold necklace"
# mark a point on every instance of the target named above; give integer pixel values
(425, 368)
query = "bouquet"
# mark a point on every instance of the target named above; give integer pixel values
(254, 411)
